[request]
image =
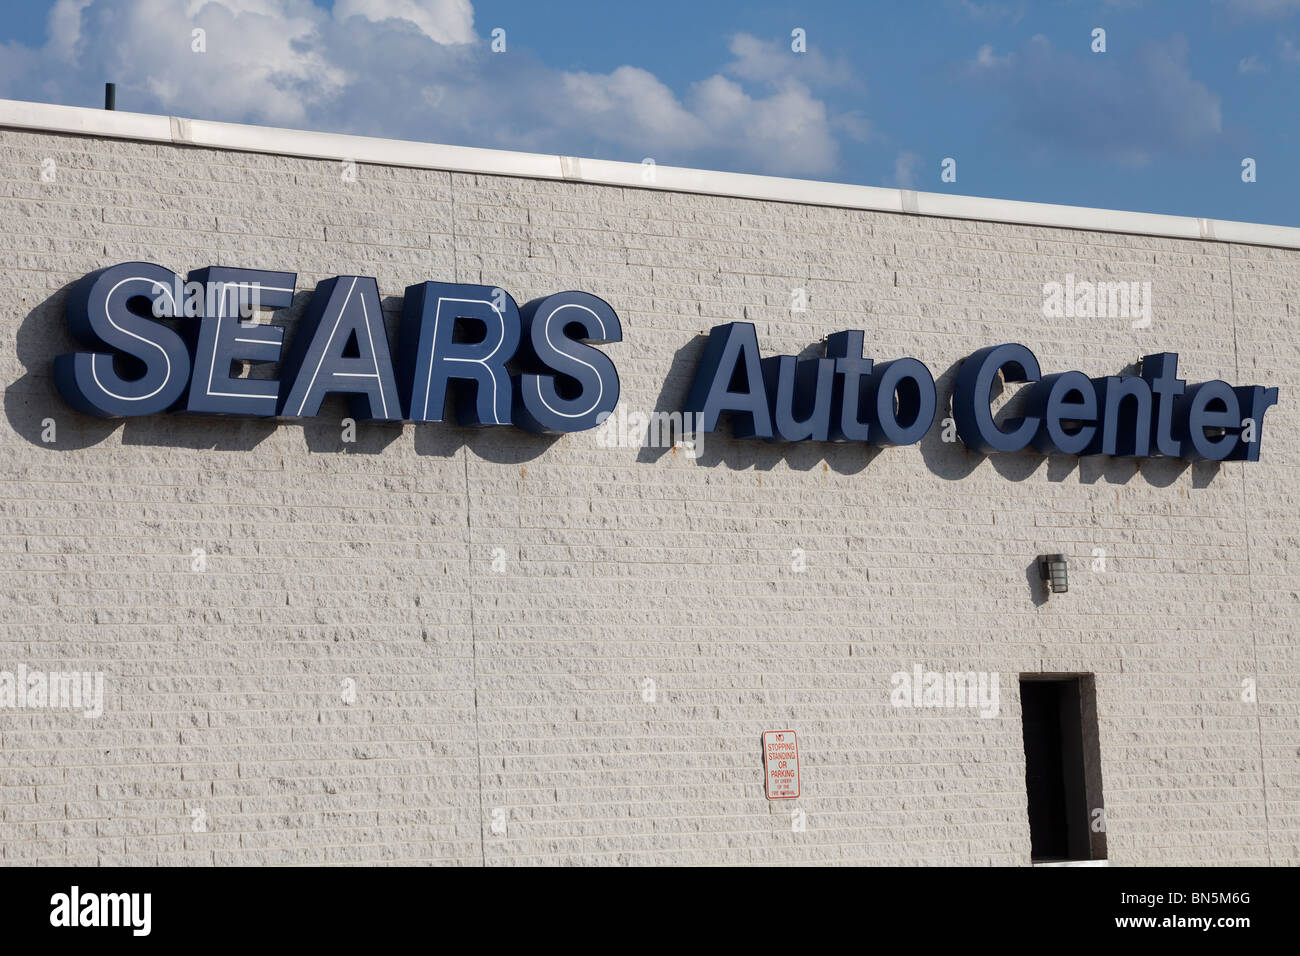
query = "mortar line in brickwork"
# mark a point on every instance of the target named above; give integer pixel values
(469, 569)
(1250, 581)
(473, 643)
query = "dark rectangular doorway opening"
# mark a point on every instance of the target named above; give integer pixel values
(1067, 818)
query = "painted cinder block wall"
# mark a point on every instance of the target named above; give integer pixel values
(523, 691)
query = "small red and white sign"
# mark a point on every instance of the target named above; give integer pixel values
(781, 760)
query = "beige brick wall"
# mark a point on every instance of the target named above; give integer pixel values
(523, 690)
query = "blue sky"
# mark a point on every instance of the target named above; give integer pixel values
(885, 91)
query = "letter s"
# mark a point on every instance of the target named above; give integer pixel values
(557, 332)
(111, 309)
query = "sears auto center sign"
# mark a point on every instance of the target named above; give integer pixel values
(154, 343)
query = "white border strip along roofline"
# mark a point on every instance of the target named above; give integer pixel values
(149, 127)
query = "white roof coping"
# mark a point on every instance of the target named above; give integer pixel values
(148, 127)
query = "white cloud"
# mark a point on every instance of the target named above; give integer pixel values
(633, 106)
(64, 27)
(263, 61)
(905, 167)
(767, 61)
(442, 21)
(986, 59)
(416, 69)
(788, 131)
(853, 124)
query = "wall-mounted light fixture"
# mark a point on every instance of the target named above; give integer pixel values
(1054, 569)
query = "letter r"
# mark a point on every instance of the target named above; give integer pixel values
(453, 333)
